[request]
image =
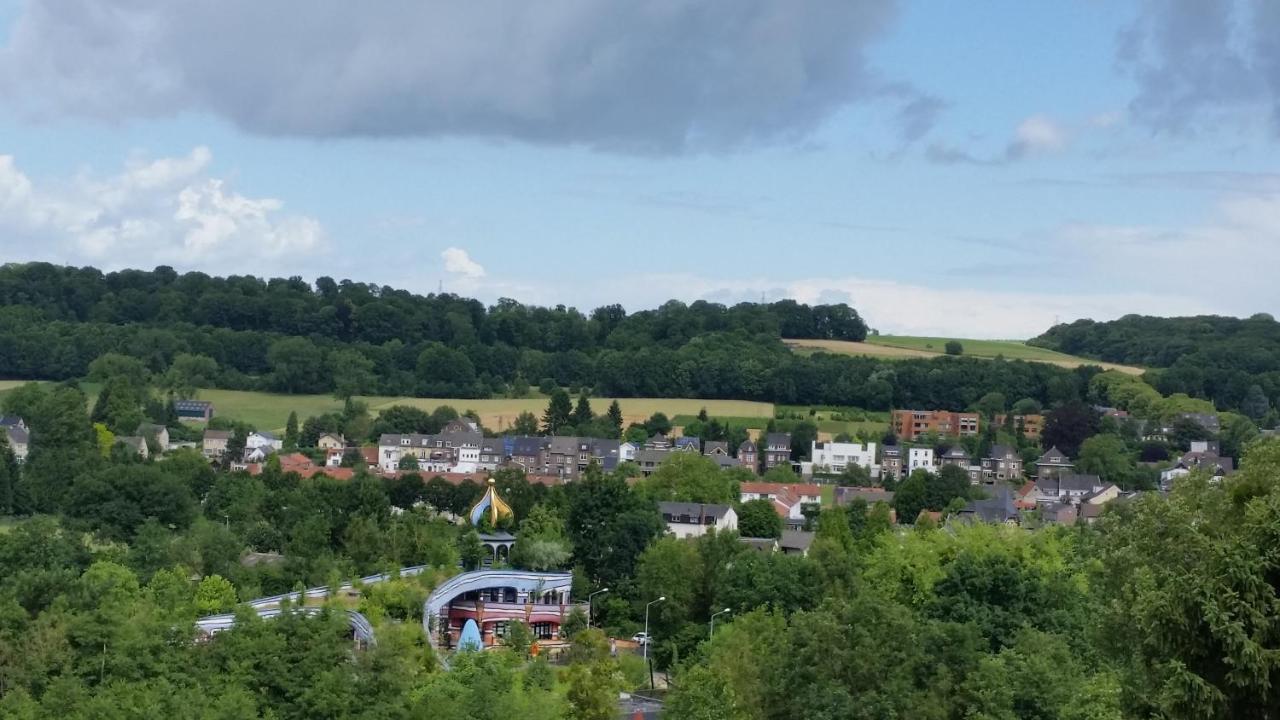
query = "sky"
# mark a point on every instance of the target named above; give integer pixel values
(979, 169)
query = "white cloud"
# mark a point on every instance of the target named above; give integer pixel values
(161, 211)
(1036, 134)
(458, 262)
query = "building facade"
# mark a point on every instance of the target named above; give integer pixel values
(910, 425)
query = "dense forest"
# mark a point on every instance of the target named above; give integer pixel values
(1231, 361)
(287, 336)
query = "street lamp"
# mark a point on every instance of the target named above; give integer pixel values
(713, 622)
(647, 639)
(590, 607)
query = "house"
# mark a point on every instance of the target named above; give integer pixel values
(795, 542)
(689, 444)
(157, 435)
(262, 452)
(789, 500)
(1053, 462)
(331, 441)
(955, 455)
(193, 410)
(657, 441)
(834, 457)
(302, 465)
(135, 444)
(997, 507)
(493, 452)
(764, 545)
(1067, 487)
(649, 459)
(1209, 421)
(911, 425)
(919, 459)
(1059, 513)
(460, 425)
(627, 452)
(263, 439)
(777, 450)
(456, 451)
(686, 520)
(749, 455)
(215, 443)
(1029, 425)
(891, 462)
(18, 435)
(872, 495)
(1002, 464)
(715, 447)
(605, 452)
(527, 453)
(1202, 456)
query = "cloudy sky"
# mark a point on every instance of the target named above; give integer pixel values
(978, 169)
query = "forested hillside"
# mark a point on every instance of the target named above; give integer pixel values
(1233, 362)
(287, 336)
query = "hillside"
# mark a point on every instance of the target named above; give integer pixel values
(1234, 362)
(906, 346)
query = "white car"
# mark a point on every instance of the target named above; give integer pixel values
(640, 638)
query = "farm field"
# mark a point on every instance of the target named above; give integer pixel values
(907, 346)
(270, 411)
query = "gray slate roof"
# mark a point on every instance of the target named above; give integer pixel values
(17, 435)
(796, 540)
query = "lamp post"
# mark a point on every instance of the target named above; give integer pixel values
(713, 622)
(647, 639)
(591, 608)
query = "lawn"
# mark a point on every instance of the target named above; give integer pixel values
(907, 346)
(270, 411)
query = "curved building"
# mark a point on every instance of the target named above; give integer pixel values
(492, 598)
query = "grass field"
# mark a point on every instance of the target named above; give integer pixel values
(905, 346)
(270, 411)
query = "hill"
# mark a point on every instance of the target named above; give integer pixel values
(907, 346)
(1234, 362)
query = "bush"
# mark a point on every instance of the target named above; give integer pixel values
(953, 347)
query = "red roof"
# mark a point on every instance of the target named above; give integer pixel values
(303, 465)
(794, 489)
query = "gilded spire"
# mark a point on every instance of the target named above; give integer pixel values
(496, 507)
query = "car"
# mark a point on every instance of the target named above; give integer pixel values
(640, 638)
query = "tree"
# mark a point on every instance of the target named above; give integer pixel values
(470, 550)
(444, 372)
(593, 680)
(1108, 457)
(1255, 404)
(1067, 426)
(526, 424)
(8, 476)
(291, 431)
(614, 414)
(953, 347)
(214, 594)
(990, 405)
(122, 367)
(582, 413)
(352, 373)
(297, 366)
(541, 543)
(559, 412)
(609, 526)
(758, 518)
(803, 435)
(657, 424)
(1027, 406)
(188, 373)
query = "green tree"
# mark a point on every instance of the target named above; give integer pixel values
(593, 679)
(352, 373)
(559, 412)
(444, 372)
(609, 526)
(1108, 457)
(990, 405)
(122, 367)
(214, 594)
(1255, 404)
(188, 373)
(757, 518)
(953, 347)
(297, 366)
(291, 431)
(582, 413)
(1067, 426)
(615, 418)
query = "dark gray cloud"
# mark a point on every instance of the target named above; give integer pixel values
(637, 76)
(1193, 59)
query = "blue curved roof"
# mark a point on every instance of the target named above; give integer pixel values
(525, 580)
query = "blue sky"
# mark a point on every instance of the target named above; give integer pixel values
(975, 169)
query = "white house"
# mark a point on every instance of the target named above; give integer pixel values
(834, 457)
(685, 520)
(920, 459)
(788, 499)
(262, 440)
(331, 441)
(627, 452)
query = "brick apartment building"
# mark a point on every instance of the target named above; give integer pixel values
(910, 425)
